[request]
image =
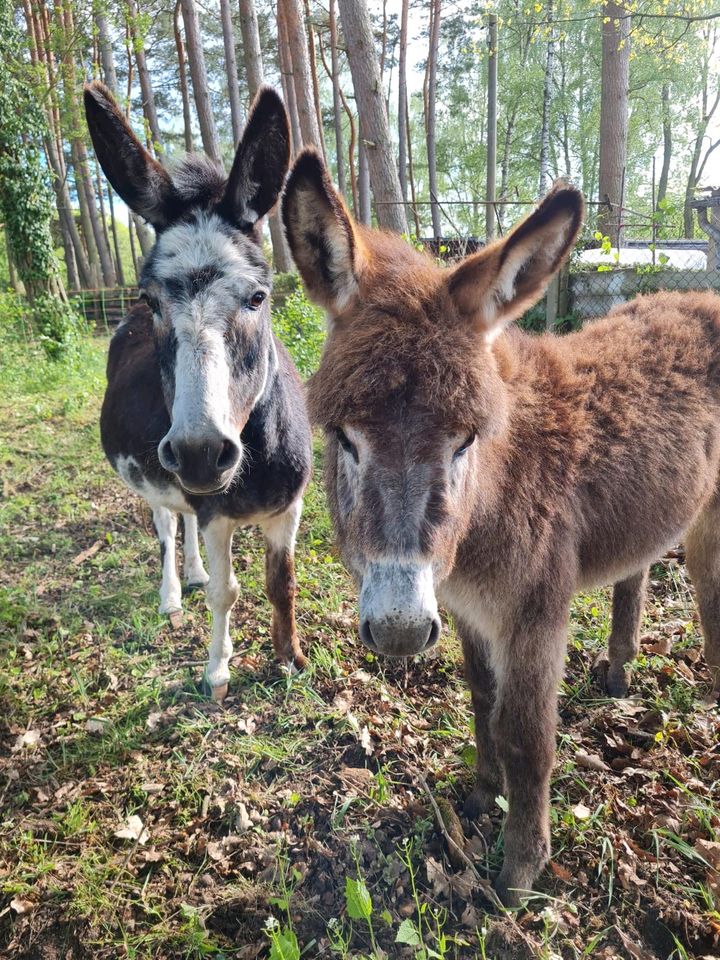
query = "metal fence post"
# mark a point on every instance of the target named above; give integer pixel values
(552, 302)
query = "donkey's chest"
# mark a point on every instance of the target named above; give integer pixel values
(474, 607)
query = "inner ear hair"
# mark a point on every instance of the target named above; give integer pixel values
(321, 235)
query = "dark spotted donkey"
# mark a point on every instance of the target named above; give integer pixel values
(204, 413)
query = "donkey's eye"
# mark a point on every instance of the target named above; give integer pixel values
(465, 445)
(256, 299)
(347, 445)
(150, 301)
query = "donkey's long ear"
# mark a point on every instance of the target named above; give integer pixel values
(143, 184)
(323, 241)
(497, 284)
(261, 162)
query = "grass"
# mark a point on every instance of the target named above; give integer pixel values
(289, 821)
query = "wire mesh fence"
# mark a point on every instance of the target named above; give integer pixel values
(104, 308)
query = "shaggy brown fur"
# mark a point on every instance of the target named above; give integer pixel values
(586, 457)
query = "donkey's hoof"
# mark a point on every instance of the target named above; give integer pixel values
(219, 693)
(170, 606)
(192, 586)
(614, 681)
(480, 801)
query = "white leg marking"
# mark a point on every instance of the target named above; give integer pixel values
(170, 592)
(221, 594)
(193, 568)
(280, 531)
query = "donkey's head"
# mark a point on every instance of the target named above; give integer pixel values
(205, 280)
(411, 389)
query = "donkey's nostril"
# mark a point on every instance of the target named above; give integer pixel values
(168, 457)
(228, 456)
(434, 633)
(366, 635)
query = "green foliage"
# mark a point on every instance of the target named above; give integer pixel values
(301, 327)
(357, 899)
(283, 942)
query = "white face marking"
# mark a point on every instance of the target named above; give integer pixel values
(398, 606)
(203, 402)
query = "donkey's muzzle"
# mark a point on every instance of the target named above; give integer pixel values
(398, 609)
(202, 466)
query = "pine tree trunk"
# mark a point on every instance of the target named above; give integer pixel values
(315, 85)
(282, 260)
(298, 47)
(231, 70)
(615, 81)
(667, 144)
(364, 212)
(544, 182)
(337, 102)
(371, 108)
(182, 75)
(116, 244)
(146, 89)
(198, 74)
(402, 100)
(288, 82)
(430, 116)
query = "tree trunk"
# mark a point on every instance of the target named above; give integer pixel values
(337, 102)
(84, 180)
(364, 211)
(232, 71)
(106, 51)
(198, 74)
(182, 76)
(116, 243)
(288, 83)
(251, 46)
(667, 144)
(430, 116)
(547, 98)
(402, 100)
(146, 89)
(297, 44)
(371, 108)
(133, 248)
(313, 75)
(282, 260)
(615, 81)
(411, 173)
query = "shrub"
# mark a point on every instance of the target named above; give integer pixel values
(301, 327)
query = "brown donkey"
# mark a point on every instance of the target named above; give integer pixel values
(501, 472)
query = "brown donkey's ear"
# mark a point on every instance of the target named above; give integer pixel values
(261, 162)
(323, 241)
(498, 284)
(141, 181)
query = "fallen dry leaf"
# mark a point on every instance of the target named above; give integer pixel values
(132, 829)
(581, 811)
(87, 554)
(20, 905)
(28, 739)
(590, 761)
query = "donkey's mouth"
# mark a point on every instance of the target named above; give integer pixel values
(205, 491)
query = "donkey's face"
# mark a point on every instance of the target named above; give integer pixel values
(205, 280)
(411, 390)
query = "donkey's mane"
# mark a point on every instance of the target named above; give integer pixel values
(198, 180)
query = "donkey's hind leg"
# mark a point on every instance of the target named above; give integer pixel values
(280, 532)
(613, 667)
(193, 569)
(165, 523)
(481, 680)
(702, 549)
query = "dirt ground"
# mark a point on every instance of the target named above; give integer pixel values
(140, 819)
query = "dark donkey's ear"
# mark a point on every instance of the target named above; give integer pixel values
(499, 283)
(323, 241)
(141, 181)
(261, 162)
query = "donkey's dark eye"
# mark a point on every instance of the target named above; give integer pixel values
(256, 299)
(465, 445)
(347, 445)
(150, 301)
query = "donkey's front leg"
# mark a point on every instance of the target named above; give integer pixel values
(221, 594)
(193, 569)
(481, 680)
(165, 523)
(280, 532)
(613, 668)
(524, 727)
